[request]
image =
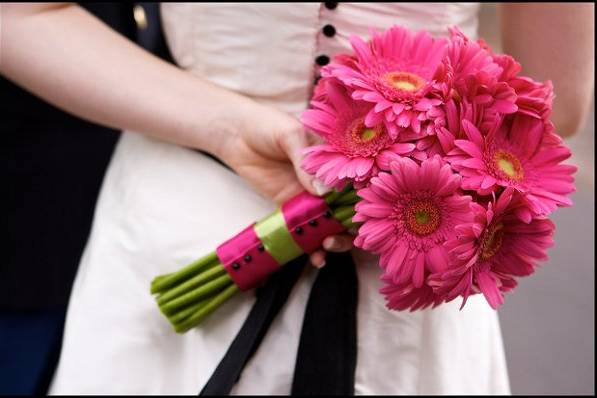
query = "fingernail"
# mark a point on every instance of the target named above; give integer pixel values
(320, 265)
(320, 188)
(330, 244)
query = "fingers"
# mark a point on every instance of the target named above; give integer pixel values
(314, 139)
(317, 258)
(294, 144)
(319, 187)
(338, 243)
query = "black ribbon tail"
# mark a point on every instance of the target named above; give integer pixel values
(270, 299)
(327, 352)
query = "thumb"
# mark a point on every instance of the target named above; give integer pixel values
(294, 144)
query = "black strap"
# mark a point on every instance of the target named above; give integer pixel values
(270, 298)
(326, 359)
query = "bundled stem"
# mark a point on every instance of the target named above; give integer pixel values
(166, 281)
(189, 295)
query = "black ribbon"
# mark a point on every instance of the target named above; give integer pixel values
(270, 298)
(326, 358)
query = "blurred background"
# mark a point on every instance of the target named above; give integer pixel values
(548, 324)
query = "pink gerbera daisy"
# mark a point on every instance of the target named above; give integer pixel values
(466, 57)
(408, 215)
(520, 154)
(481, 105)
(471, 89)
(490, 252)
(510, 67)
(484, 91)
(394, 71)
(353, 152)
(533, 98)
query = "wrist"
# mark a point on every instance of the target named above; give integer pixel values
(225, 134)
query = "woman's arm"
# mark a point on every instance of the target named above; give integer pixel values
(66, 56)
(555, 42)
(72, 60)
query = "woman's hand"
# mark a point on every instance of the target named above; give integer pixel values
(266, 150)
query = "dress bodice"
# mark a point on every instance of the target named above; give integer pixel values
(270, 52)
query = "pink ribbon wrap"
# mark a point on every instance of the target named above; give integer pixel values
(308, 221)
(234, 254)
(299, 211)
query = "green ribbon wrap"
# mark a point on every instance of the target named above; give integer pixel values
(277, 240)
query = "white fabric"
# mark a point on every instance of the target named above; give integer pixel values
(162, 206)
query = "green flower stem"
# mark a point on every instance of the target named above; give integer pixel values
(187, 311)
(160, 284)
(159, 278)
(343, 212)
(194, 319)
(348, 224)
(189, 298)
(190, 284)
(347, 188)
(347, 199)
(331, 197)
(342, 204)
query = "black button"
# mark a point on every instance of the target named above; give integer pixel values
(248, 258)
(327, 214)
(330, 5)
(322, 60)
(140, 16)
(313, 223)
(260, 248)
(236, 265)
(298, 230)
(329, 30)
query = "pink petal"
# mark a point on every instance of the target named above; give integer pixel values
(398, 255)
(437, 259)
(469, 147)
(419, 271)
(488, 286)
(488, 182)
(472, 133)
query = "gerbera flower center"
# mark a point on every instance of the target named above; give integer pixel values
(362, 141)
(362, 134)
(405, 81)
(422, 217)
(492, 241)
(508, 165)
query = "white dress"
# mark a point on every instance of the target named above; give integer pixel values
(162, 206)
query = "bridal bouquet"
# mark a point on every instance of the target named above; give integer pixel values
(442, 156)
